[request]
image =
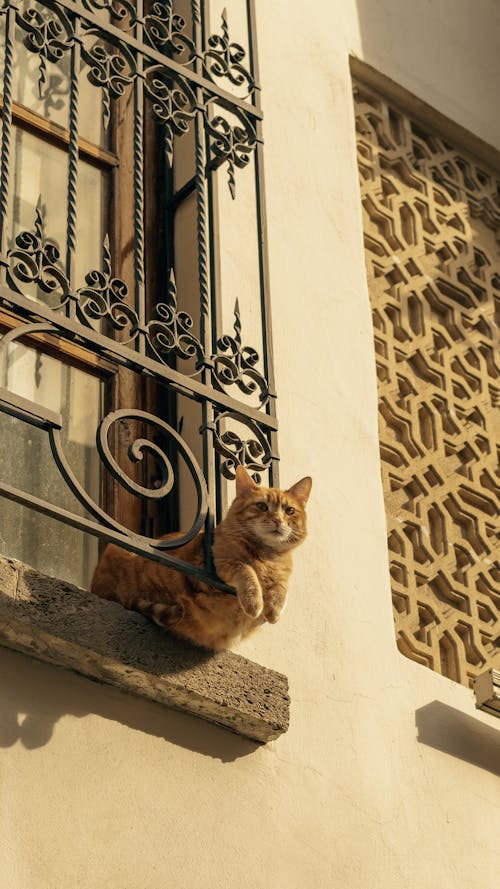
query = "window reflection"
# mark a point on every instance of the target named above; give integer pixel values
(44, 86)
(41, 172)
(26, 462)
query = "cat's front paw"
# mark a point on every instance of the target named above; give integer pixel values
(274, 602)
(250, 599)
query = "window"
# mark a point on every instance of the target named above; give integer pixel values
(134, 302)
(431, 223)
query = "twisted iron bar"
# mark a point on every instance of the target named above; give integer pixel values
(201, 224)
(195, 5)
(6, 127)
(73, 156)
(138, 139)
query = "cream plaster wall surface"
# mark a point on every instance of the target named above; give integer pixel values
(388, 776)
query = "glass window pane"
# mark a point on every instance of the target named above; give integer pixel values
(40, 84)
(41, 174)
(27, 463)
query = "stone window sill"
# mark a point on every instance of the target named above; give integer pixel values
(68, 627)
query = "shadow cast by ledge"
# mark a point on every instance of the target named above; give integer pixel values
(34, 696)
(446, 729)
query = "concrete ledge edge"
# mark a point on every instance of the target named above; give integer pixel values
(58, 623)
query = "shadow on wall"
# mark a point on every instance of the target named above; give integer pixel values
(34, 696)
(457, 734)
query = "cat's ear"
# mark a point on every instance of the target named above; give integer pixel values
(301, 490)
(244, 482)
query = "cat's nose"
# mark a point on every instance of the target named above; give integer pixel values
(277, 521)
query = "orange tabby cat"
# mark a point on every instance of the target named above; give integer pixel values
(251, 552)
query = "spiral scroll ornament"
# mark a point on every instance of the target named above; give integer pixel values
(49, 37)
(121, 12)
(173, 103)
(105, 297)
(224, 59)
(252, 453)
(37, 260)
(139, 449)
(113, 72)
(234, 364)
(165, 31)
(232, 144)
(170, 331)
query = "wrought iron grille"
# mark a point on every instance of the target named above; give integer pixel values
(189, 83)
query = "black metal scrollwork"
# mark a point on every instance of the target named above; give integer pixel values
(136, 453)
(252, 453)
(173, 103)
(170, 331)
(104, 297)
(235, 364)
(148, 53)
(113, 72)
(37, 260)
(224, 59)
(165, 31)
(50, 35)
(120, 11)
(232, 144)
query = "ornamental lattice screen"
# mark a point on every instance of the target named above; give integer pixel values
(432, 226)
(170, 88)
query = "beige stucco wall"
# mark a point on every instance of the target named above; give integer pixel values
(388, 776)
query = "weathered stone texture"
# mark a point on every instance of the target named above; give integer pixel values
(69, 627)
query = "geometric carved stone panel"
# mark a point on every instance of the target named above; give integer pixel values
(432, 246)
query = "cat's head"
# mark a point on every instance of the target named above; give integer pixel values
(270, 516)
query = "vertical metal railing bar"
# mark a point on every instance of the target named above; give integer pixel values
(216, 301)
(73, 154)
(262, 245)
(138, 139)
(204, 282)
(5, 156)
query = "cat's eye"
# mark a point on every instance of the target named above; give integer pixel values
(262, 506)
(289, 510)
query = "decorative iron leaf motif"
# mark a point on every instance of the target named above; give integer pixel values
(37, 260)
(165, 31)
(224, 59)
(50, 35)
(252, 453)
(105, 297)
(122, 12)
(170, 331)
(113, 72)
(232, 144)
(173, 103)
(234, 364)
